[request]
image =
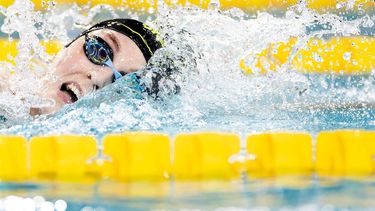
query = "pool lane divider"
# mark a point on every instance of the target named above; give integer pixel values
(152, 157)
(61, 157)
(249, 6)
(202, 156)
(345, 153)
(124, 161)
(280, 153)
(337, 55)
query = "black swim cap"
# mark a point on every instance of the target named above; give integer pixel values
(143, 36)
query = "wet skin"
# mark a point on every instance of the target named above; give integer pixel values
(73, 75)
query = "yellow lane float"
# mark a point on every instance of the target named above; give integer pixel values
(61, 157)
(338, 55)
(9, 49)
(151, 157)
(205, 156)
(349, 153)
(13, 158)
(280, 154)
(137, 156)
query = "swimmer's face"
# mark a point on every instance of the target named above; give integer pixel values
(73, 75)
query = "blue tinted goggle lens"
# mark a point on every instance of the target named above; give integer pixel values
(97, 50)
(100, 53)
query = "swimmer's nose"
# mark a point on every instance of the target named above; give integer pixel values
(95, 86)
(100, 78)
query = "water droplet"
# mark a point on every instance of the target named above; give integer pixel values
(317, 57)
(60, 205)
(28, 204)
(347, 56)
(214, 5)
(87, 208)
(38, 200)
(151, 10)
(367, 22)
(340, 5)
(47, 206)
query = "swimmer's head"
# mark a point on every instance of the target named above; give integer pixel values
(141, 34)
(98, 57)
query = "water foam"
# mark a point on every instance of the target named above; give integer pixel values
(204, 47)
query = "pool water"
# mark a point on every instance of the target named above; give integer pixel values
(307, 193)
(215, 93)
(206, 46)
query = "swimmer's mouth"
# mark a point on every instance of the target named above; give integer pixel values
(72, 90)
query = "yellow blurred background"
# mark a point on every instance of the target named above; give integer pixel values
(246, 5)
(346, 55)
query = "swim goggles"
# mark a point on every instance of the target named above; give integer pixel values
(100, 53)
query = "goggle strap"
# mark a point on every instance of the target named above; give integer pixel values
(116, 73)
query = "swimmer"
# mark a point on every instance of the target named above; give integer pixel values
(97, 57)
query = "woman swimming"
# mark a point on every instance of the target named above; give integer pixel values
(97, 57)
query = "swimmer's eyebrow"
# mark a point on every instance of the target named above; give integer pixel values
(115, 41)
